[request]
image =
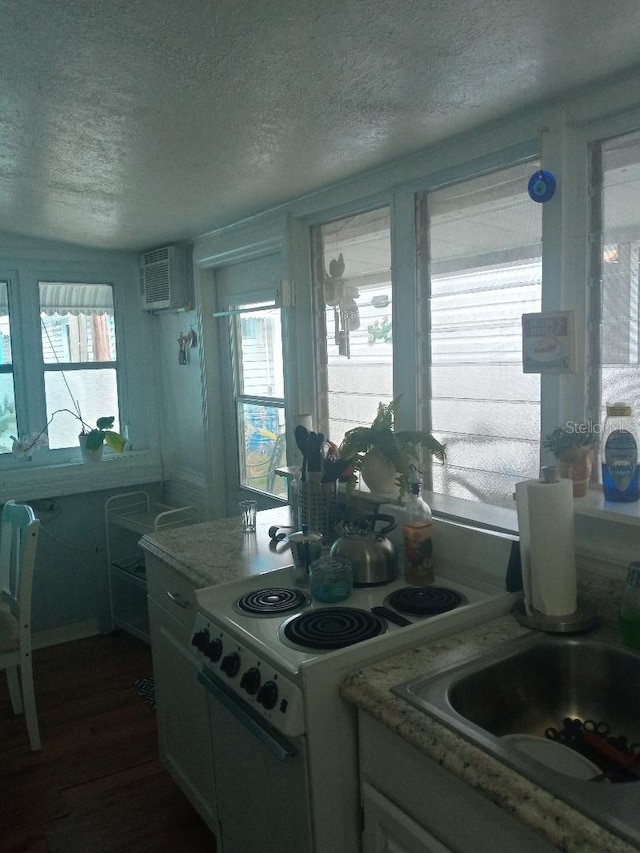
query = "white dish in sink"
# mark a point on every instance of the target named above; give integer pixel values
(555, 755)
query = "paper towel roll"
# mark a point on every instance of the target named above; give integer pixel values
(545, 520)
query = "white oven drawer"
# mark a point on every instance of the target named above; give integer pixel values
(171, 590)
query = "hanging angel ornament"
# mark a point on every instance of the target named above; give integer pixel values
(341, 296)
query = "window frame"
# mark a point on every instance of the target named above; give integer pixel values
(23, 294)
(251, 302)
(409, 272)
(424, 264)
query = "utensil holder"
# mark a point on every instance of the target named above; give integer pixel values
(316, 503)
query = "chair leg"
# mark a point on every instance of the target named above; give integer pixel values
(29, 699)
(14, 690)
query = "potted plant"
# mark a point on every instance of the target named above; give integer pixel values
(385, 457)
(91, 439)
(573, 445)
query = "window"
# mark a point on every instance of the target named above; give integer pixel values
(615, 271)
(79, 357)
(58, 353)
(259, 399)
(354, 300)
(485, 246)
(8, 423)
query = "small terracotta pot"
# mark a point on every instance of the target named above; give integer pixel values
(578, 467)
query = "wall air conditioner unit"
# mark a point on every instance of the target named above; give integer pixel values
(165, 278)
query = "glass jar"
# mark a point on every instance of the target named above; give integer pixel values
(629, 620)
(330, 579)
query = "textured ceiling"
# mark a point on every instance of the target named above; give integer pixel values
(131, 123)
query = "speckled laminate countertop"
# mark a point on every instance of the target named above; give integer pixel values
(214, 552)
(369, 688)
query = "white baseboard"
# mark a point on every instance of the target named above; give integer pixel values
(65, 634)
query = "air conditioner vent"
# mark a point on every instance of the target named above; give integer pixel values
(164, 278)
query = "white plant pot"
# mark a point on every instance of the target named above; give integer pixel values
(379, 474)
(92, 457)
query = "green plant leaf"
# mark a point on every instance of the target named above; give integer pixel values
(115, 441)
(105, 423)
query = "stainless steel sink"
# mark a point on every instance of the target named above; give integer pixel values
(532, 684)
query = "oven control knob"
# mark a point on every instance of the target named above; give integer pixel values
(231, 664)
(200, 639)
(268, 695)
(214, 649)
(250, 681)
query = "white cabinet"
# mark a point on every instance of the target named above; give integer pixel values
(182, 710)
(412, 805)
(387, 829)
(128, 516)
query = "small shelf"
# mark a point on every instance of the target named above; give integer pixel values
(128, 516)
(139, 578)
(135, 621)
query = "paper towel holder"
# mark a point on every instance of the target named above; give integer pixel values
(583, 619)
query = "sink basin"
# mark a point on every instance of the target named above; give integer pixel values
(532, 684)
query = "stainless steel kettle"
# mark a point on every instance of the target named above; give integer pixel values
(372, 556)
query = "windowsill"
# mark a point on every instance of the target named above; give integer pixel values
(595, 506)
(33, 482)
(487, 516)
(460, 511)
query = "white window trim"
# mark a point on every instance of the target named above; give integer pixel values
(48, 473)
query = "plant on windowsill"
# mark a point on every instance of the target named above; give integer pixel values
(385, 457)
(91, 439)
(573, 445)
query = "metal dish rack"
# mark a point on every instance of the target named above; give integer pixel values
(127, 517)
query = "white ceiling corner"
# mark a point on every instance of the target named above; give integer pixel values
(131, 123)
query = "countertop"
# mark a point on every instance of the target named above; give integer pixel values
(214, 552)
(369, 689)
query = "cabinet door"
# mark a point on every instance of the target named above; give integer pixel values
(387, 829)
(183, 714)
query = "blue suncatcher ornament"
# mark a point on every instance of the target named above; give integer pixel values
(542, 186)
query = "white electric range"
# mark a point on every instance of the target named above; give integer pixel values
(284, 742)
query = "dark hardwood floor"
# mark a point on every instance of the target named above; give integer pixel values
(97, 785)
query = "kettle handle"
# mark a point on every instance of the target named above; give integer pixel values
(381, 516)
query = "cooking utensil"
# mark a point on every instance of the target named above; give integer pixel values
(302, 438)
(314, 456)
(333, 469)
(371, 554)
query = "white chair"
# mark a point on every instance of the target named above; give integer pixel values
(18, 542)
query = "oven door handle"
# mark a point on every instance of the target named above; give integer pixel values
(279, 745)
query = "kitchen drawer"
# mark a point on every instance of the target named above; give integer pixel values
(171, 590)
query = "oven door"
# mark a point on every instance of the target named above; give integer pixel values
(261, 778)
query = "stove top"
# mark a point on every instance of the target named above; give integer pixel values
(270, 644)
(255, 608)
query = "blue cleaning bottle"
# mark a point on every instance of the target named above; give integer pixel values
(620, 469)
